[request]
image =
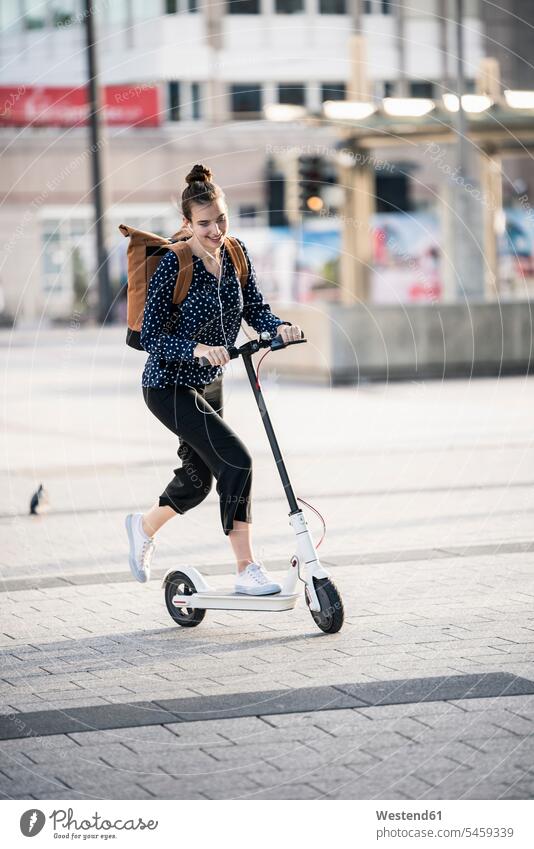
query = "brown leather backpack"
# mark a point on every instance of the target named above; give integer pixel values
(144, 253)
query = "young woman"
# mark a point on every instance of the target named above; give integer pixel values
(187, 397)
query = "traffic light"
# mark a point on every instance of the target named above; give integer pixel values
(310, 184)
(316, 175)
(275, 186)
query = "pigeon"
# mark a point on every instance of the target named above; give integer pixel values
(39, 502)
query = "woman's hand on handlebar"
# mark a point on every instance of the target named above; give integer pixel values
(216, 354)
(289, 332)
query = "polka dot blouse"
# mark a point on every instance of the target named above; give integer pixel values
(170, 332)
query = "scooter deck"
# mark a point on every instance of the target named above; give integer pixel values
(236, 601)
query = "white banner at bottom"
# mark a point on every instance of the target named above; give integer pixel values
(271, 824)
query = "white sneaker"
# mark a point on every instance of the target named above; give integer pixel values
(141, 547)
(254, 580)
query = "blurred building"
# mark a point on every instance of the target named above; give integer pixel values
(186, 82)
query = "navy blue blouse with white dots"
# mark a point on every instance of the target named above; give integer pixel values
(170, 332)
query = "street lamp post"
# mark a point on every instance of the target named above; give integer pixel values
(98, 185)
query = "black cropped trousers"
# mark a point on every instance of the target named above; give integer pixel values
(208, 449)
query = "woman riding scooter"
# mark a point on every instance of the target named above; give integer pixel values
(187, 397)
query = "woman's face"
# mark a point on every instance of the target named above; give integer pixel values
(209, 223)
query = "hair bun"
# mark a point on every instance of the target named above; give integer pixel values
(199, 174)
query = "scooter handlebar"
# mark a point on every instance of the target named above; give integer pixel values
(278, 342)
(274, 344)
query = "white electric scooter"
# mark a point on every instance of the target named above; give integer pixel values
(188, 595)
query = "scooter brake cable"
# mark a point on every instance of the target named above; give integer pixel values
(318, 514)
(268, 351)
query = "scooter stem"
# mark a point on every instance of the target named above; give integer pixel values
(288, 489)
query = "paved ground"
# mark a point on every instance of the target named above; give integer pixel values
(428, 494)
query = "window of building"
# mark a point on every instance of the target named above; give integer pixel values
(34, 14)
(333, 91)
(67, 265)
(288, 7)
(172, 7)
(246, 98)
(196, 111)
(421, 88)
(292, 93)
(247, 212)
(63, 12)
(53, 258)
(173, 113)
(388, 88)
(377, 7)
(332, 7)
(243, 7)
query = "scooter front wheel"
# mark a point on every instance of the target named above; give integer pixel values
(331, 615)
(178, 584)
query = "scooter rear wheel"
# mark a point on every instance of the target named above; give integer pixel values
(179, 584)
(331, 615)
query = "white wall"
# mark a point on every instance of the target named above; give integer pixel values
(305, 47)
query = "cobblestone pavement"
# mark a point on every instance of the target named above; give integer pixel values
(427, 490)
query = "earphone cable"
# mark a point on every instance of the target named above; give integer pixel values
(220, 304)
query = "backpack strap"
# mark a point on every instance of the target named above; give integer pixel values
(238, 258)
(184, 255)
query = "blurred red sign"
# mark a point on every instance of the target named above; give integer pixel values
(46, 106)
